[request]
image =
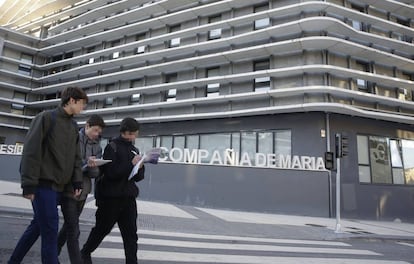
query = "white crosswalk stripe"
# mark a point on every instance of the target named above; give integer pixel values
(197, 248)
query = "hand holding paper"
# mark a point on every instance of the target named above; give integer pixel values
(151, 156)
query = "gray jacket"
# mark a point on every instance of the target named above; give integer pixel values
(87, 148)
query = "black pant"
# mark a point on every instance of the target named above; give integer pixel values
(122, 211)
(71, 209)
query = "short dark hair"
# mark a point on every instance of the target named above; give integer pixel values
(96, 120)
(129, 124)
(72, 92)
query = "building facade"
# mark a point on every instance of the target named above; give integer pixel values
(245, 97)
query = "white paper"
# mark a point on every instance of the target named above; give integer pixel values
(98, 162)
(143, 159)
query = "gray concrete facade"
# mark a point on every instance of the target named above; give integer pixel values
(195, 68)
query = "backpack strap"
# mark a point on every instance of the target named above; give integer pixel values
(53, 114)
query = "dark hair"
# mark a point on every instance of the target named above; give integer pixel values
(129, 124)
(96, 120)
(72, 92)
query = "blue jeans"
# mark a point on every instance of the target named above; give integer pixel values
(45, 223)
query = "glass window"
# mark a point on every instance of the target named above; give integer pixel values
(408, 160)
(135, 98)
(141, 49)
(248, 145)
(144, 144)
(26, 58)
(364, 174)
(261, 23)
(262, 84)
(380, 159)
(214, 142)
(115, 55)
(363, 156)
(213, 89)
(265, 142)
(171, 95)
(364, 169)
(283, 144)
(261, 65)
(214, 34)
(166, 142)
(179, 142)
(192, 142)
(25, 70)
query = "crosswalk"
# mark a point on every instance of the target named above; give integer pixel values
(165, 247)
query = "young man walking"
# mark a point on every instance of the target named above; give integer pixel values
(116, 195)
(90, 148)
(50, 160)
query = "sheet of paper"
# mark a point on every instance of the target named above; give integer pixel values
(99, 162)
(145, 158)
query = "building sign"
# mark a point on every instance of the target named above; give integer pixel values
(227, 157)
(233, 158)
(16, 149)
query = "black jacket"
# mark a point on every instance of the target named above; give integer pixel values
(114, 181)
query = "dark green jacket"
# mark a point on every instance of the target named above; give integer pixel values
(53, 159)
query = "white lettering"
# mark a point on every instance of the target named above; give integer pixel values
(176, 157)
(227, 157)
(190, 156)
(245, 159)
(260, 160)
(296, 162)
(320, 164)
(285, 161)
(202, 154)
(216, 158)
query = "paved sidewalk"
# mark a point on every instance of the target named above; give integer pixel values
(169, 217)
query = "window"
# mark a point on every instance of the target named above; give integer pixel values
(175, 41)
(214, 142)
(214, 33)
(171, 95)
(408, 160)
(261, 83)
(135, 98)
(115, 55)
(262, 22)
(213, 147)
(141, 49)
(17, 108)
(109, 101)
(91, 60)
(25, 70)
(213, 89)
(26, 58)
(385, 161)
(362, 84)
(358, 25)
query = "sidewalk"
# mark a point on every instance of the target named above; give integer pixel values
(168, 217)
